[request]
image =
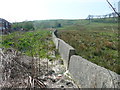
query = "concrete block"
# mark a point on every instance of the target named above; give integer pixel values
(90, 75)
(66, 51)
(55, 40)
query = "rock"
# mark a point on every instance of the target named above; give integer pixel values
(62, 86)
(50, 60)
(69, 84)
(52, 56)
(59, 76)
(62, 81)
(61, 62)
(50, 72)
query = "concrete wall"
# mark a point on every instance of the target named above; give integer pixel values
(88, 74)
(84, 72)
(66, 51)
(55, 40)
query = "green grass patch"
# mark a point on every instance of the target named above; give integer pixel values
(95, 43)
(33, 43)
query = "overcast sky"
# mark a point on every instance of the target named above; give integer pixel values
(21, 10)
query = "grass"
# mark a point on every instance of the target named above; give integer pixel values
(97, 42)
(31, 43)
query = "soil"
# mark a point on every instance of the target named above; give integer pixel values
(20, 71)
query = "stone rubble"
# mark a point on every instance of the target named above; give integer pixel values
(16, 69)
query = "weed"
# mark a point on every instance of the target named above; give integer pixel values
(30, 43)
(100, 47)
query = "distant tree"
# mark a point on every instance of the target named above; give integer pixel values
(16, 26)
(57, 25)
(28, 26)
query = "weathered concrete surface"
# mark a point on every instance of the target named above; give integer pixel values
(1, 69)
(85, 73)
(55, 40)
(66, 51)
(90, 75)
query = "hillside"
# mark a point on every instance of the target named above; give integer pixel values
(66, 24)
(95, 41)
(30, 53)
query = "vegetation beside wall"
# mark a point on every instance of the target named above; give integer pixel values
(37, 43)
(26, 25)
(96, 42)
